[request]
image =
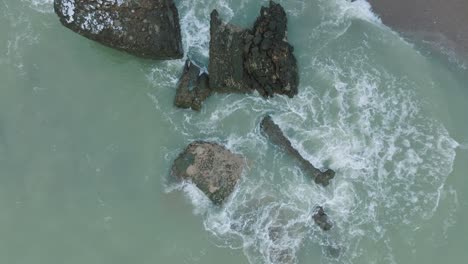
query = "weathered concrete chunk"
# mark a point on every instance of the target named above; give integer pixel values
(193, 87)
(211, 167)
(145, 28)
(274, 133)
(261, 59)
(321, 219)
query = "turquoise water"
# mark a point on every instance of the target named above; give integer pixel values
(88, 135)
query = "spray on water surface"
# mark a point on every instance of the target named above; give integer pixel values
(359, 112)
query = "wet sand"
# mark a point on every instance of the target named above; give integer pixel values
(441, 21)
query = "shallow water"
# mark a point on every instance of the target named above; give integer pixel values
(88, 134)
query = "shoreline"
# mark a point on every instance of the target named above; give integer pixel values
(444, 23)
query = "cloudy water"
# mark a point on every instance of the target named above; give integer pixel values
(88, 135)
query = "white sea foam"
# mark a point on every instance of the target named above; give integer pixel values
(21, 36)
(68, 9)
(43, 6)
(351, 115)
(391, 160)
(391, 166)
(196, 196)
(195, 25)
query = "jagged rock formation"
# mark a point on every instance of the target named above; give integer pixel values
(321, 219)
(226, 64)
(193, 88)
(260, 59)
(244, 60)
(269, 59)
(211, 167)
(145, 28)
(275, 135)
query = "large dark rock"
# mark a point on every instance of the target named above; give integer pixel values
(211, 167)
(260, 59)
(193, 87)
(145, 28)
(226, 64)
(321, 219)
(269, 58)
(273, 132)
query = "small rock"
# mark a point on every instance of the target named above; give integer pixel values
(274, 133)
(321, 219)
(193, 88)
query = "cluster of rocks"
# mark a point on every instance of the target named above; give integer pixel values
(241, 61)
(216, 171)
(247, 60)
(276, 136)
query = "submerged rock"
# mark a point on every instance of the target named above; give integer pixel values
(211, 167)
(321, 219)
(275, 135)
(145, 28)
(243, 60)
(193, 88)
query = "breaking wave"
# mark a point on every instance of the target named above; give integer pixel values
(352, 115)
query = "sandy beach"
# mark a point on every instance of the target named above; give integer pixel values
(443, 21)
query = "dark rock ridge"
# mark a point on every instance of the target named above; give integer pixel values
(243, 60)
(193, 87)
(226, 65)
(211, 167)
(321, 219)
(273, 132)
(269, 59)
(145, 28)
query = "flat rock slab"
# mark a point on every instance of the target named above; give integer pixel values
(211, 167)
(274, 133)
(145, 28)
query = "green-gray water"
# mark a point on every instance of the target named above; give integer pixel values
(88, 134)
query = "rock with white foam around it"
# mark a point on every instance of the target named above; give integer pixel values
(274, 133)
(321, 219)
(244, 60)
(211, 167)
(193, 87)
(145, 28)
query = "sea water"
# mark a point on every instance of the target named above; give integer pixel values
(88, 135)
